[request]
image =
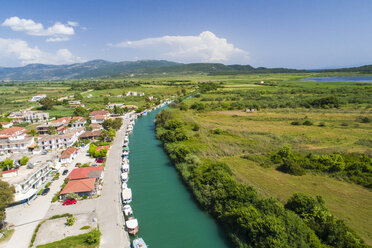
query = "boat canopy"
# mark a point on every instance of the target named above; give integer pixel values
(139, 243)
(124, 176)
(127, 209)
(125, 166)
(126, 194)
(124, 185)
(131, 224)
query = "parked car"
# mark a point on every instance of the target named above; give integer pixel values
(64, 172)
(94, 165)
(77, 164)
(44, 152)
(100, 160)
(45, 191)
(69, 202)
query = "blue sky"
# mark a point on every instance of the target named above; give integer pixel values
(270, 33)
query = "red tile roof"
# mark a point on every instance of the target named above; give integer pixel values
(77, 186)
(90, 134)
(83, 172)
(99, 117)
(8, 171)
(62, 120)
(99, 112)
(12, 131)
(68, 152)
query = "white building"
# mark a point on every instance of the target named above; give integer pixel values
(29, 116)
(66, 139)
(80, 122)
(37, 98)
(14, 140)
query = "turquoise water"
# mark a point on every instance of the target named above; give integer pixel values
(340, 79)
(168, 215)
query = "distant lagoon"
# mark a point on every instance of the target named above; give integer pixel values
(340, 79)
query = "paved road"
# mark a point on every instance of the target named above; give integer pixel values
(109, 204)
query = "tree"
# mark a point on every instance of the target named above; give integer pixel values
(32, 132)
(183, 91)
(51, 130)
(24, 160)
(7, 197)
(78, 96)
(107, 124)
(72, 196)
(93, 237)
(80, 111)
(116, 124)
(7, 164)
(105, 100)
(46, 103)
(118, 110)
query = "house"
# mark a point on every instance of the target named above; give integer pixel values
(141, 94)
(68, 155)
(99, 113)
(90, 135)
(113, 105)
(81, 187)
(86, 172)
(95, 126)
(14, 140)
(74, 102)
(248, 110)
(98, 119)
(28, 116)
(78, 121)
(134, 93)
(89, 96)
(29, 187)
(6, 124)
(10, 173)
(37, 98)
(58, 124)
(66, 139)
(130, 106)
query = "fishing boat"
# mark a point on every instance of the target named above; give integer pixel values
(125, 167)
(126, 196)
(124, 177)
(132, 226)
(127, 211)
(139, 243)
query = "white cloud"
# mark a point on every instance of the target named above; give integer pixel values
(24, 54)
(57, 32)
(73, 24)
(206, 47)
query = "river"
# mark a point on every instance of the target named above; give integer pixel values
(168, 215)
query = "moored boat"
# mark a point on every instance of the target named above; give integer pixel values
(139, 243)
(124, 177)
(132, 226)
(127, 210)
(126, 196)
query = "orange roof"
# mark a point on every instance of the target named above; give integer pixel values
(4, 122)
(8, 171)
(63, 119)
(68, 152)
(99, 112)
(12, 131)
(77, 186)
(83, 172)
(98, 117)
(90, 134)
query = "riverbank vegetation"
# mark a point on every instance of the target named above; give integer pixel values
(246, 149)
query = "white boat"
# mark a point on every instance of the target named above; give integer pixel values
(139, 243)
(124, 186)
(126, 196)
(127, 210)
(124, 177)
(125, 167)
(132, 226)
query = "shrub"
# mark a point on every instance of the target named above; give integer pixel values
(85, 228)
(321, 124)
(55, 197)
(307, 123)
(24, 160)
(48, 184)
(217, 131)
(93, 237)
(70, 221)
(295, 123)
(196, 127)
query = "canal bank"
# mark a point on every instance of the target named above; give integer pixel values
(167, 213)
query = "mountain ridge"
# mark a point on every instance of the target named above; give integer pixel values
(103, 68)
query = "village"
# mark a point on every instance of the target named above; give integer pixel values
(59, 168)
